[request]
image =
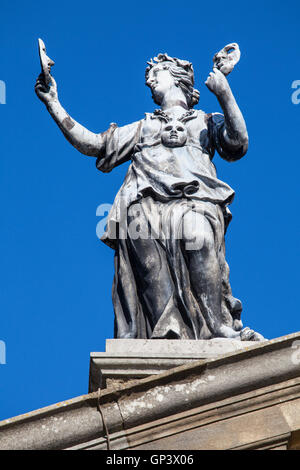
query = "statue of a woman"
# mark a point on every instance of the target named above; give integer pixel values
(169, 218)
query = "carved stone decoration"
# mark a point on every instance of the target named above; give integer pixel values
(46, 62)
(169, 218)
(174, 134)
(226, 59)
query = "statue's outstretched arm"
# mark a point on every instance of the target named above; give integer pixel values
(235, 132)
(82, 139)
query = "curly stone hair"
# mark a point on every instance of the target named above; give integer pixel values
(182, 71)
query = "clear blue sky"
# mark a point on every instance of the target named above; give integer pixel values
(56, 276)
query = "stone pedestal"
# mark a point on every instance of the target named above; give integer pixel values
(129, 359)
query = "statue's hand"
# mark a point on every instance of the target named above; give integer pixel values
(217, 83)
(45, 93)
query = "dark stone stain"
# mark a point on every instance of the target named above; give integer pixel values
(68, 123)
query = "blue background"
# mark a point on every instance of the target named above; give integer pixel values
(56, 276)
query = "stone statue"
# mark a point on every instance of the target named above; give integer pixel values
(169, 218)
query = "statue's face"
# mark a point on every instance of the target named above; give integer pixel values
(221, 59)
(174, 134)
(160, 81)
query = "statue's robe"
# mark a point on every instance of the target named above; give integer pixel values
(152, 293)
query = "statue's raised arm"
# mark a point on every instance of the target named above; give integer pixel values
(82, 139)
(235, 132)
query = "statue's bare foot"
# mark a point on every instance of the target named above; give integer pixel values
(250, 335)
(225, 331)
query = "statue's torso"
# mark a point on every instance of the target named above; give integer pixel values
(163, 173)
(183, 171)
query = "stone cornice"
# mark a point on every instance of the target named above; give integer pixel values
(162, 397)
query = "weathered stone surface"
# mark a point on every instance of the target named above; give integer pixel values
(247, 399)
(127, 359)
(203, 348)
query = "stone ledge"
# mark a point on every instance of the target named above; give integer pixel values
(180, 408)
(130, 359)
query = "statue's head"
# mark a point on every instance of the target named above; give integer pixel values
(164, 71)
